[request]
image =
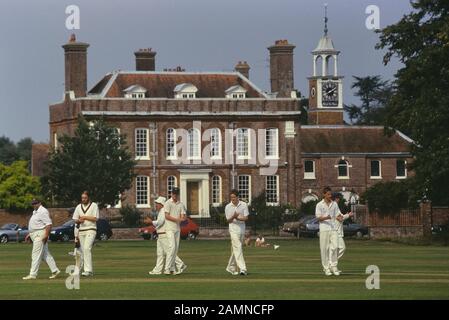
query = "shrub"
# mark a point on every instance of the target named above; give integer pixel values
(390, 197)
(130, 216)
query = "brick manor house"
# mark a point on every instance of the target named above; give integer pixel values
(234, 134)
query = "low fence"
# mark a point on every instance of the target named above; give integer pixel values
(409, 217)
(411, 223)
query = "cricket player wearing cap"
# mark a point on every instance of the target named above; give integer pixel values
(236, 214)
(327, 211)
(86, 215)
(175, 213)
(40, 225)
(162, 241)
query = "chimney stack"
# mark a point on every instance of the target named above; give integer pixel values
(75, 56)
(281, 68)
(145, 60)
(243, 68)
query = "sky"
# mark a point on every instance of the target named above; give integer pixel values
(199, 35)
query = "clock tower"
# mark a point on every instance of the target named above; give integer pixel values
(325, 86)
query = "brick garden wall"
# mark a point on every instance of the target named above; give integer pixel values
(59, 216)
(440, 215)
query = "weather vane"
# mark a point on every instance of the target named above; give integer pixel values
(325, 19)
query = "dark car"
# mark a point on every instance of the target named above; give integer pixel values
(351, 229)
(65, 232)
(311, 228)
(293, 227)
(189, 230)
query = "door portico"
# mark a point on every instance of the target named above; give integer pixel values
(194, 191)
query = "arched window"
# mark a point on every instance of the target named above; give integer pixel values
(343, 169)
(215, 143)
(171, 183)
(193, 143)
(216, 190)
(170, 143)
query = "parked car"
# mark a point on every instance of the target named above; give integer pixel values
(13, 232)
(311, 228)
(292, 227)
(189, 230)
(440, 229)
(65, 232)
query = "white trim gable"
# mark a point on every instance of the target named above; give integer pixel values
(185, 91)
(236, 92)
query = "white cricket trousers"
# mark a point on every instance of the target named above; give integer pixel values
(162, 250)
(236, 260)
(87, 239)
(341, 247)
(172, 259)
(328, 248)
(40, 252)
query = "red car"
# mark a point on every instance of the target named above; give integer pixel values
(189, 230)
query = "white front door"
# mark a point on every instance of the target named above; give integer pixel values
(194, 191)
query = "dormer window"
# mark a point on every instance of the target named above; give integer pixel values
(135, 92)
(185, 91)
(236, 92)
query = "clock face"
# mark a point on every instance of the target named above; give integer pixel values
(330, 94)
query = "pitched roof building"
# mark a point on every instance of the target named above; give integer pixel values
(209, 132)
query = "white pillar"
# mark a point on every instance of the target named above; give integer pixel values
(314, 65)
(183, 190)
(204, 200)
(335, 66)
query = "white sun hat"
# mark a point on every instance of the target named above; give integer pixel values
(161, 200)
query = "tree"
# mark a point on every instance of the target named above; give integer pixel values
(17, 186)
(374, 94)
(420, 104)
(95, 159)
(23, 148)
(390, 197)
(8, 152)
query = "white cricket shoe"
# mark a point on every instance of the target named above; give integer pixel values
(327, 272)
(169, 273)
(243, 273)
(153, 273)
(336, 272)
(182, 269)
(54, 274)
(234, 273)
(276, 247)
(29, 277)
(87, 274)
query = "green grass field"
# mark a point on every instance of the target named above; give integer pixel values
(291, 272)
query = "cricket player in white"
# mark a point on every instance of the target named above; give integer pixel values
(86, 214)
(175, 213)
(341, 246)
(236, 214)
(40, 225)
(162, 241)
(327, 211)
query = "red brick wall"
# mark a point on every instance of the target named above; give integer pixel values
(59, 216)
(359, 174)
(440, 215)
